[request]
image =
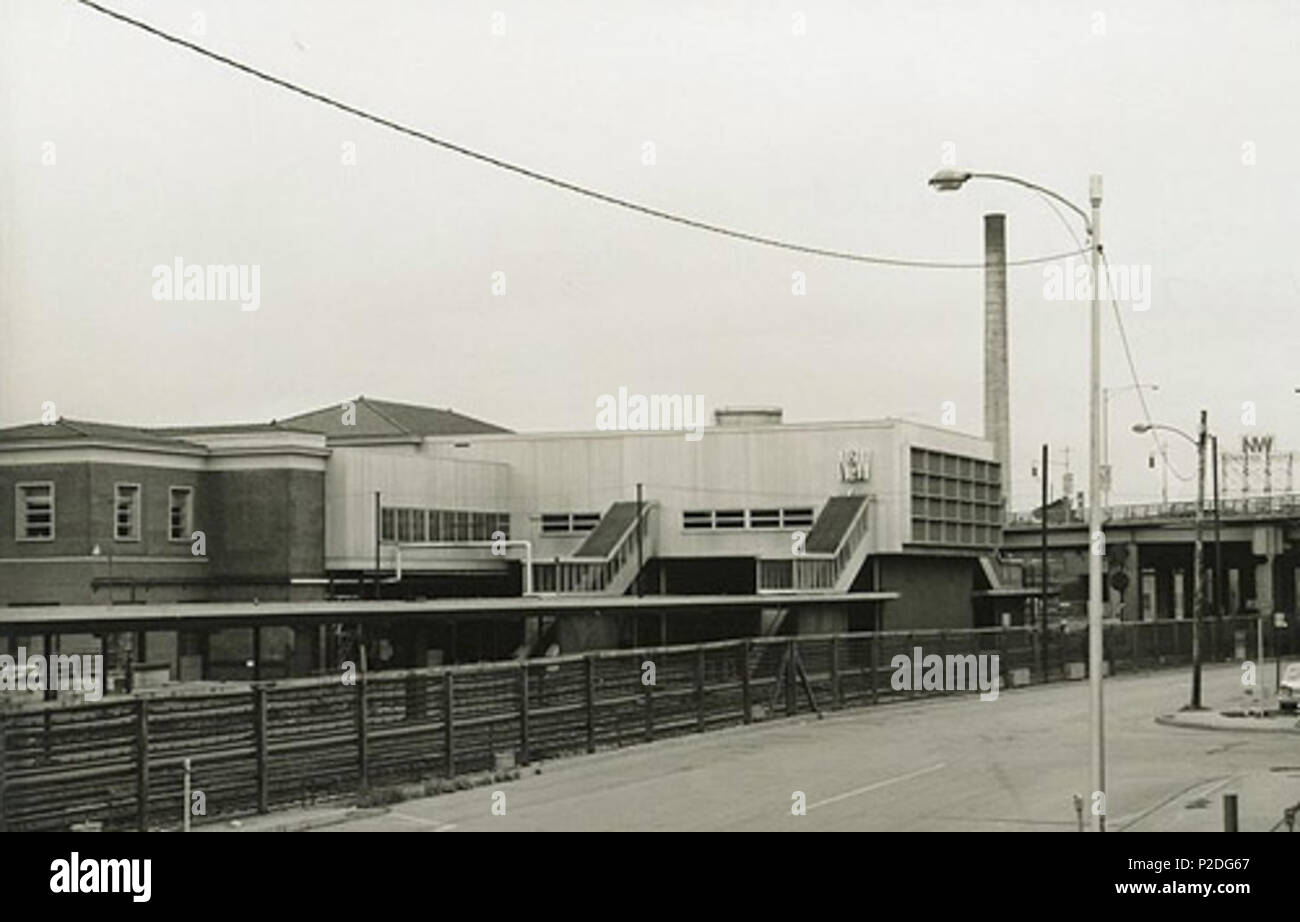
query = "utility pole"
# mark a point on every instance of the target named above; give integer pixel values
(1218, 547)
(1198, 583)
(1042, 618)
(640, 562)
(1164, 475)
(379, 533)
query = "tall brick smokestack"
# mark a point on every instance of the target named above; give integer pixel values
(997, 396)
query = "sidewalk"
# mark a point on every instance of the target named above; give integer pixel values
(1251, 710)
(1262, 796)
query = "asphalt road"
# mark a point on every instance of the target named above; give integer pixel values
(952, 764)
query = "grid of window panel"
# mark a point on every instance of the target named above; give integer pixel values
(34, 511)
(180, 513)
(730, 519)
(565, 523)
(126, 502)
(407, 523)
(955, 500)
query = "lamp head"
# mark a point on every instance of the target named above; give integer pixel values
(1141, 427)
(949, 180)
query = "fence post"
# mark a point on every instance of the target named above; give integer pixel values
(835, 671)
(650, 709)
(1229, 812)
(791, 702)
(523, 713)
(4, 823)
(448, 724)
(746, 695)
(911, 647)
(185, 795)
(590, 664)
(943, 649)
(363, 730)
(259, 723)
(699, 688)
(142, 760)
(875, 662)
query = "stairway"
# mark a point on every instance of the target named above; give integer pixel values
(835, 548)
(606, 562)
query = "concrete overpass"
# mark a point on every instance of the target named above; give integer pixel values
(1152, 545)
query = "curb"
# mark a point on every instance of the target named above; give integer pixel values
(306, 824)
(1170, 720)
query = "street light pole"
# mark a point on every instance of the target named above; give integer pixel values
(1218, 547)
(948, 180)
(1198, 603)
(1097, 540)
(1042, 605)
(1198, 580)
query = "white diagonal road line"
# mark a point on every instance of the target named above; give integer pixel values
(877, 785)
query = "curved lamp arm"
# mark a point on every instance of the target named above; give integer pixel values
(951, 180)
(1141, 428)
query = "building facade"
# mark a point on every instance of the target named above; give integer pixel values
(374, 499)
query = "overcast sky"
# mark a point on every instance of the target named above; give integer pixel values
(817, 122)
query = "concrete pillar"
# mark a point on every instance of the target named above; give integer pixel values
(770, 620)
(821, 619)
(587, 631)
(1133, 593)
(532, 631)
(1265, 544)
(997, 400)
(303, 658)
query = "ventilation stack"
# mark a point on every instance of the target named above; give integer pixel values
(997, 396)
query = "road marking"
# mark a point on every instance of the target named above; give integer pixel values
(877, 785)
(441, 827)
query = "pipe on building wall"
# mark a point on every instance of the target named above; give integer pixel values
(517, 542)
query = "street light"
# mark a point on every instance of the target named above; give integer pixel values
(950, 181)
(1105, 443)
(1198, 570)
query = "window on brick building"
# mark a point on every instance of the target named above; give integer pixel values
(126, 518)
(180, 513)
(34, 511)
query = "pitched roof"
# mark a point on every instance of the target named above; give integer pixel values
(389, 419)
(375, 419)
(227, 428)
(64, 429)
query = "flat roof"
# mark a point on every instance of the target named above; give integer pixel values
(164, 616)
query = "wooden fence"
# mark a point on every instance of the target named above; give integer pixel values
(276, 744)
